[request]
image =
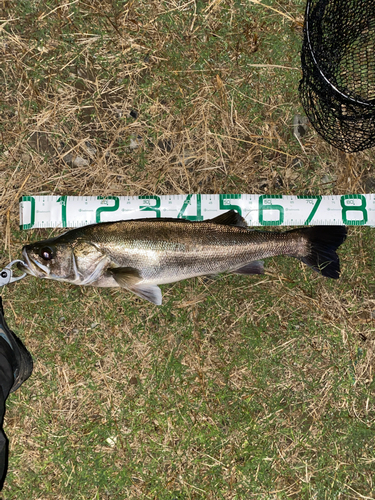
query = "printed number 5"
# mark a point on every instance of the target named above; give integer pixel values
(225, 201)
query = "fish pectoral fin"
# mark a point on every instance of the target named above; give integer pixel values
(126, 277)
(130, 279)
(230, 218)
(255, 267)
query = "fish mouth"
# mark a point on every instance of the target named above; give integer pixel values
(32, 267)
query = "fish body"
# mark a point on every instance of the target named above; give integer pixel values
(139, 255)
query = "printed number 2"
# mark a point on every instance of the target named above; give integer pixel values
(350, 206)
(107, 208)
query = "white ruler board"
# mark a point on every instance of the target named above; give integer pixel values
(258, 210)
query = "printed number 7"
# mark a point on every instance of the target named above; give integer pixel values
(314, 209)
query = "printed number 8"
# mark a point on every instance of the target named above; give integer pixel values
(354, 208)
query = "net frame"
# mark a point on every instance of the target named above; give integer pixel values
(343, 116)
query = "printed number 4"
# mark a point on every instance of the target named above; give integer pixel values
(199, 216)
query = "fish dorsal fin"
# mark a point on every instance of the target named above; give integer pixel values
(231, 218)
(131, 279)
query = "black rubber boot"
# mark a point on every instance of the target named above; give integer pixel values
(21, 361)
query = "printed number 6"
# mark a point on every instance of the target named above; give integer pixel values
(269, 206)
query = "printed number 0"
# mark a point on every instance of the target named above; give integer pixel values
(354, 208)
(31, 199)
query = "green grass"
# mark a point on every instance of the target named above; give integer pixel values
(237, 387)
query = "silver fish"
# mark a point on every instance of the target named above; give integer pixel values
(139, 255)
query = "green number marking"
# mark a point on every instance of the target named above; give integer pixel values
(107, 209)
(151, 208)
(31, 199)
(315, 207)
(224, 205)
(269, 206)
(199, 215)
(62, 200)
(354, 208)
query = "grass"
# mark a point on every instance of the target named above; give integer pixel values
(238, 387)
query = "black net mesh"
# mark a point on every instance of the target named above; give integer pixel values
(338, 63)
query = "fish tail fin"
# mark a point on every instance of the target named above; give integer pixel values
(323, 243)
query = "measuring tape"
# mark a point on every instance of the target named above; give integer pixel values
(258, 210)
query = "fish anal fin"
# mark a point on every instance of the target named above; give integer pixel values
(255, 267)
(152, 293)
(230, 218)
(130, 279)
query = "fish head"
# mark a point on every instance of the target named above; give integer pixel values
(77, 262)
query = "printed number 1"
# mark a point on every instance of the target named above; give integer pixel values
(62, 200)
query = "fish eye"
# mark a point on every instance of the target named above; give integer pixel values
(46, 253)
